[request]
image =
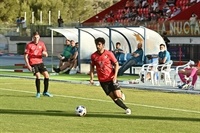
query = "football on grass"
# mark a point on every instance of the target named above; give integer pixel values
(80, 110)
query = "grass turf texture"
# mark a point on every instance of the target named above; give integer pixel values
(152, 111)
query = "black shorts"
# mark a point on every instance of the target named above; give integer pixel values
(38, 68)
(109, 87)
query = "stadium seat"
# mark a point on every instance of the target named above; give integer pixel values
(152, 69)
(185, 2)
(139, 11)
(165, 71)
(183, 8)
(146, 11)
(148, 69)
(176, 72)
(180, 3)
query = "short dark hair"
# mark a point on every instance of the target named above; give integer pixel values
(162, 45)
(118, 43)
(35, 33)
(99, 39)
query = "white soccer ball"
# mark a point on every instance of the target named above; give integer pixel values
(80, 110)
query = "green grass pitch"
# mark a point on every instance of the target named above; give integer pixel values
(152, 111)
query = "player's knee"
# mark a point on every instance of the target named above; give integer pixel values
(46, 74)
(37, 75)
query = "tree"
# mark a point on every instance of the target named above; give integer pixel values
(72, 11)
(78, 10)
(8, 11)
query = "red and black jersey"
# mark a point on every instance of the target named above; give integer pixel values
(34, 52)
(104, 65)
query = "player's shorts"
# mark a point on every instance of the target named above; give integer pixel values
(109, 87)
(38, 68)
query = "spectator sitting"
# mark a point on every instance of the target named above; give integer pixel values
(74, 59)
(176, 11)
(118, 51)
(163, 57)
(165, 8)
(71, 62)
(136, 57)
(168, 13)
(66, 53)
(155, 5)
(76, 64)
(188, 75)
(145, 4)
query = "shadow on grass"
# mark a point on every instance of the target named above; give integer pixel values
(95, 115)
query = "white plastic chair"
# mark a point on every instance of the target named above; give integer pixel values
(148, 68)
(165, 71)
(179, 68)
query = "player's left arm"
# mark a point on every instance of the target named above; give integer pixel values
(116, 66)
(44, 51)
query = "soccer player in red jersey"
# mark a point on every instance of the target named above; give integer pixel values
(107, 69)
(34, 52)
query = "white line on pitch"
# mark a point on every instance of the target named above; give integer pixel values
(100, 100)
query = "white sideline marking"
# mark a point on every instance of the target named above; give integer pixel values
(100, 100)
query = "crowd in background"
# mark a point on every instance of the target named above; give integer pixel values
(136, 11)
(68, 58)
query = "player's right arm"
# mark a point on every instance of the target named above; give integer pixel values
(91, 70)
(27, 62)
(26, 58)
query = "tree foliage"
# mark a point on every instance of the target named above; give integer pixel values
(72, 11)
